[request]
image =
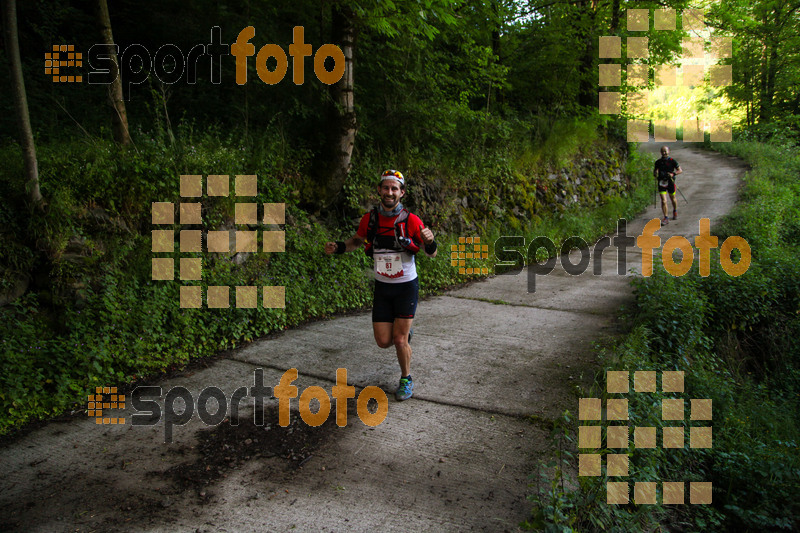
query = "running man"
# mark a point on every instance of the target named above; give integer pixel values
(665, 170)
(392, 236)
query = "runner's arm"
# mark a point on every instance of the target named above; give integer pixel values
(353, 243)
(427, 238)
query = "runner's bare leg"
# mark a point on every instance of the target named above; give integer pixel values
(400, 337)
(387, 333)
(383, 333)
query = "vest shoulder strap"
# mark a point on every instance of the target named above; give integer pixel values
(372, 225)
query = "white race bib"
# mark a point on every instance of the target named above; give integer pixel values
(389, 265)
(663, 183)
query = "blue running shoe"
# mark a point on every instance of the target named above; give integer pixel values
(410, 334)
(404, 390)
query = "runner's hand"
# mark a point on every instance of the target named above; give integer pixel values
(330, 247)
(427, 236)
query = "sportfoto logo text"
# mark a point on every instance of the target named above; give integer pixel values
(510, 259)
(179, 404)
(170, 65)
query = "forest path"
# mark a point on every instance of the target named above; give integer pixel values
(458, 456)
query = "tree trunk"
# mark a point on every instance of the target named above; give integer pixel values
(587, 84)
(748, 96)
(120, 116)
(497, 26)
(771, 74)
(342, 124)
(615, 15)
(749, 86)
(20, 100)
(766, 95)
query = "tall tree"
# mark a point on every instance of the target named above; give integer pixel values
(120, 116)
(9, 8)
(554, 49)
(348, 19)
(342, 125)
(588, 31)
(766, 59)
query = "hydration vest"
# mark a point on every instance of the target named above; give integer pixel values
(664, 174)
(400, 241)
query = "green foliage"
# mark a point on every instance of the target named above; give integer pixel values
(565, 502)
(765, 58)
(674, 310)
(769, 215)
(737, 340)
(433, 97)
(100, 319)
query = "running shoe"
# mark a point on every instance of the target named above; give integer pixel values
(664, 221)
(675, 215)
(404, 390)
(410, 334)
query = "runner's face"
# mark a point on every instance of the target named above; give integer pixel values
(665, 153)
(391, 193)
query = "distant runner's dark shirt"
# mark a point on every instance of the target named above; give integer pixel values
(665, 166)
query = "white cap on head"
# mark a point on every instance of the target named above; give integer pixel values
(393, 175)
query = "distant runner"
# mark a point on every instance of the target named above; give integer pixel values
(392, 236)
(665, 170)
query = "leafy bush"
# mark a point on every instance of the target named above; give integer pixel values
(99, 318)
(737, 341)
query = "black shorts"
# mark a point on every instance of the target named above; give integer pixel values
(669, 188)
(395, 300)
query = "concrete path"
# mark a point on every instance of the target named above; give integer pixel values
(459, 456)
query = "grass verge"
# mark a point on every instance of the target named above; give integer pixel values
(737, 339)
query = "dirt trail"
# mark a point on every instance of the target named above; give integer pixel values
(456, 457)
